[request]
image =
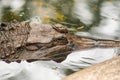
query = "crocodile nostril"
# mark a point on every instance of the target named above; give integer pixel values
(3, 25)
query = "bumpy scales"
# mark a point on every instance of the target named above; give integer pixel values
(12, 34)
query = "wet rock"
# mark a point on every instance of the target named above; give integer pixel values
(108, 70)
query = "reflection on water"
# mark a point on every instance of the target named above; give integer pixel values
(109, 25)
(95, 16)
(44, 70)
(47, 10)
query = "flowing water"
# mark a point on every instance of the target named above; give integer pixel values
(91, 18)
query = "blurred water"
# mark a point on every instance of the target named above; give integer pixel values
(109, 25)
(39, 70)
(82, 59)
(104, 26)
(100, 18)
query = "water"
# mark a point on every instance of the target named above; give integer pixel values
(43, 70)
(99, 18)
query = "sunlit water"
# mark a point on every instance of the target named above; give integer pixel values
(108, 28)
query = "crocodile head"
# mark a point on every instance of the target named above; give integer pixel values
(42, 41)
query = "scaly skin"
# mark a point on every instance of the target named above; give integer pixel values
(31, 41)
(12, 35)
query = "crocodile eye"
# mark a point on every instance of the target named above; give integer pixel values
(60, 28)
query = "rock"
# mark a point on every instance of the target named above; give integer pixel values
(108, 70)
